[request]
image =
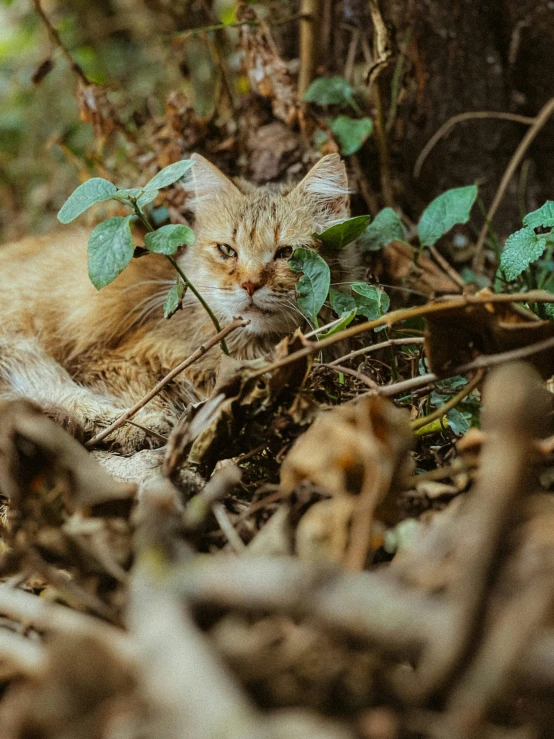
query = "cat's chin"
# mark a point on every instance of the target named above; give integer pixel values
(267, 323)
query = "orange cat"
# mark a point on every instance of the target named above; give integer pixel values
(86, 355)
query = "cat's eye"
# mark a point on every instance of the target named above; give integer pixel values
(284, 252)
(227, 251)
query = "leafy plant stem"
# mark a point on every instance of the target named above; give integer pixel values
(146, 223)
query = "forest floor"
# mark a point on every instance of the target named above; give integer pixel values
(350, 539)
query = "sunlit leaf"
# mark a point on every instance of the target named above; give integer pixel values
(313, 286)
(110, 249)
(338, 236)
(95, 190)
(168, 239)
(168, 175)
(351, 132)
(544, 216)
(386, 227)
(444, 212)
(521, 249)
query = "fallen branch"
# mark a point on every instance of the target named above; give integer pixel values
(438, 306)
(237, 323)
(451, 122)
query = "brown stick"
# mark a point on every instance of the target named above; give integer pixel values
(533, 296)
(376, 347)
(56, 41)
(539, 122)
(451, 122)
(446, 267)
(309, 10)
(485, 361)
(237, 323)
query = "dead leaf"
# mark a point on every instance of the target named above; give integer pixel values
(455, 337)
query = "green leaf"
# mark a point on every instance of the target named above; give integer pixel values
(168, 175)
(371, 302)
(340, 302)
(459, 421)
(313, 286)
(95, 190)
(386, 227)
(174, 299)
(521, 249)
(110, 249)
(350, 132)
(330, 91)
(168, 239)
(346, 320)
(338, 236)
(444, 212)
(544, 216)
(549, 310)
(147, 197)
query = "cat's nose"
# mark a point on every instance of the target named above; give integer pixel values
(251, 287)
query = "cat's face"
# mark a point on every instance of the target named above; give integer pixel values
(244, 238)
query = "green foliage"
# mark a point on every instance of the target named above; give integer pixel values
(541, 218)
(521, 249)
(528, 244)
(174, 299)
(386, 227)
(95, 190)
(111, 246)
(168, 239)
(168, 175)
(110, 249)
(338, 236)
(351, 133)
(466, 413)
(331, 91)
(452, 207)
(313, 286)
(371, 301)
(340, 302)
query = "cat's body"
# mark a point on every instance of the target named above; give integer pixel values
(86, 355)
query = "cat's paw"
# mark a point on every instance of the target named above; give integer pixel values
(149, 430)
(70, 422)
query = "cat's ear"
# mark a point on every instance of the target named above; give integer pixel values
(206, 183)
(326, 184)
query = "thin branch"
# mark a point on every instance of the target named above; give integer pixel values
(539, 123)
(485, 361)
(309, 10)
(182, 35)
(437, 306)
(446, 267)
(451, 122)
(56, 41)
(376, 347)
(236, 323)
(348, 371)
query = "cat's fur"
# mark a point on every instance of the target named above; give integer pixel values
(86, 355)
